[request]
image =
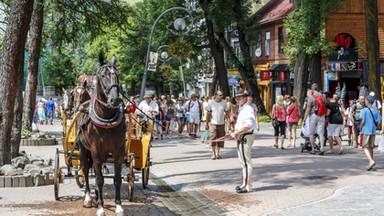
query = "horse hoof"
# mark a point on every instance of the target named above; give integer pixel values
(87, 202)
(100, 212)
(119, 211)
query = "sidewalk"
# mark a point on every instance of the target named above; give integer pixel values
(285, 182)
(282, 179)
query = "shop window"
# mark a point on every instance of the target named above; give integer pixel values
(267, 41)
(281, 39)
(258, 42)
(237, 50)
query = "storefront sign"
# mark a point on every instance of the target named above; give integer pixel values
(345, 47)
(265, 75)
(344, 66)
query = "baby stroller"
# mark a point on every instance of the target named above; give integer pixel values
(307, 144)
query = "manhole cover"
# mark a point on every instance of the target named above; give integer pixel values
(324, 178)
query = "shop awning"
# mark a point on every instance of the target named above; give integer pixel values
(233, 81)
(260, 67)
(278, 67)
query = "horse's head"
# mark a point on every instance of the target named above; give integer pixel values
(80, 94)
(107, 87)
(67, 101)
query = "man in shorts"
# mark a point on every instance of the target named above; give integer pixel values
(195, 109)
(355, 118)
(316, 122)
(336, 117)
(370, 118)
(216, 112)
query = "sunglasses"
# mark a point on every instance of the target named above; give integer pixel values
(220, 95)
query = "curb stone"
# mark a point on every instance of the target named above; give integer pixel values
(25, 181)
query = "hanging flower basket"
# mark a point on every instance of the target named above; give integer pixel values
(180, 48)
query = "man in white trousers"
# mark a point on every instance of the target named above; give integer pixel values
(245, 125)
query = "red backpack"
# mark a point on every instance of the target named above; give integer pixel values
(320, 109)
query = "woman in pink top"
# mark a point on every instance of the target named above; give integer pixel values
(293, 119)
(280, 113)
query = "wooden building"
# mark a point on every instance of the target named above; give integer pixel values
(268, 56)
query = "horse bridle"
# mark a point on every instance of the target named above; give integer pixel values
(114, 74)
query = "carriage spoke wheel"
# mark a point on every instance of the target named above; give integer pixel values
(57, 175)
(145, 171)
(80, 178)
(130, 180)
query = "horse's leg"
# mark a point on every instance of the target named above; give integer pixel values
(86, 164)
(99, 188)
(117, 182)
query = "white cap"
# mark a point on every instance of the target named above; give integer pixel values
(372, 94)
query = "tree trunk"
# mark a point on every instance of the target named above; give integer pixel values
(246, 72)
(373, 50)
(218, 57)
(315, 69)
(212, 90)
(248, 66)
(18, 113)
(13, 51)
(301, 78)
(35, 36)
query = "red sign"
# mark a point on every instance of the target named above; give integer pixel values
(265, 75)
(282, 76)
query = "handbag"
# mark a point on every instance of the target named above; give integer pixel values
(275, 122)
(204, 136)
(381, 144)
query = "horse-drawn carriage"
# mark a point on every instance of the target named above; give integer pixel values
(97, 130)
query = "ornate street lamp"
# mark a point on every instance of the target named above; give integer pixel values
(179, 25)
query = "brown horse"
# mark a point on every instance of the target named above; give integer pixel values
(102, 132)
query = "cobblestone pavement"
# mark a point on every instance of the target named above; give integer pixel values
(185, 181)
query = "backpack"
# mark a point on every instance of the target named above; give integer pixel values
(320, 109)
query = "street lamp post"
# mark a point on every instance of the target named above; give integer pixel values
(189, 11)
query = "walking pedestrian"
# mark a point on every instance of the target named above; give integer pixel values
(349, 122)
(279, 113)
(41, 111)
(245, 125)
(316, 111)
(370, 118)
(233, 111)
(50, 105)
(356, 120)
(170, 117)
(195, 109)
(293, 120)
(180, 115)
(216, 112)
(336, 117)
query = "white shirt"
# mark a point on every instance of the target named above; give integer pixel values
(194, 107)
(146, 108)
(218, 110)
(180, 110)
(246, 118)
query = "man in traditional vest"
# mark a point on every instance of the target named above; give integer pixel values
(245, 125)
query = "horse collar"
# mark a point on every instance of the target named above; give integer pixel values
(105, 123)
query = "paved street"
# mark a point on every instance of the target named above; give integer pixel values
(185, 181)
(286, 182)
